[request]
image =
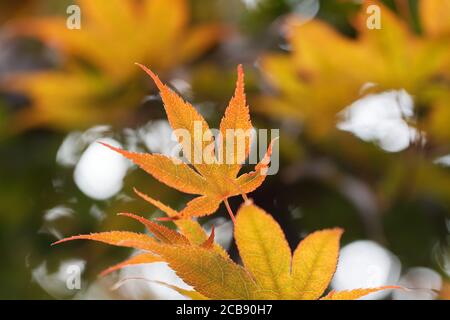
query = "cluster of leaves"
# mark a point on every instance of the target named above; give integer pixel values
(314, 85)
(96, 59)
(270, 271)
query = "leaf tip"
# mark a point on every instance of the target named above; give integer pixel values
(209, 243)
(135, 190)
(105, 273)
(240, 70)
(125, 214)
(240, 81)
(118, 150)
(337, 230)
(69, 239)
(155, 78)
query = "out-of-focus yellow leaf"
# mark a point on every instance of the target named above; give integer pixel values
(11, 9)
(438, 121)
(97, 81)
(435, 17)
(327, 71)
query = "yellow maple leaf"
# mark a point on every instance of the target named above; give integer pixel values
(269, 272)
(263, 249)
(96, 81)
(327, 71)
(213, 179)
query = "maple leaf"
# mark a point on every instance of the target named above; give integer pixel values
(219, 275)
(213, 180)
(96, 79)
(270, 271)
(314, 85)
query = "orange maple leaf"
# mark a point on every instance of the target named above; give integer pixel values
(215, 180)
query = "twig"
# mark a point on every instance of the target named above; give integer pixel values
(230, 212)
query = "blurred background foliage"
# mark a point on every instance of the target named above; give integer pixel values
(309, 66)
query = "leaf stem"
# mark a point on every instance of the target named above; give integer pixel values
(230, 212)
